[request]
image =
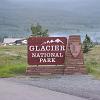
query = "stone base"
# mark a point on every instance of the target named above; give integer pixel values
(74, 69)
(47, 70)
(44, 70)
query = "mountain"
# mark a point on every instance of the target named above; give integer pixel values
(65, 16)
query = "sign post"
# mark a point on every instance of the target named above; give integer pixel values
(48, 52)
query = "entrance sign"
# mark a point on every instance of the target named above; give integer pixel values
(55, 55)
(46, 51)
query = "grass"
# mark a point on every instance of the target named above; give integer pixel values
(13, 61)
(92, 61)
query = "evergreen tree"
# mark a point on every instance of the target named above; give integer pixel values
(87, 44)
(37, 30)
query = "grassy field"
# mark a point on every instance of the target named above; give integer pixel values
(92, 61)
(13, 61)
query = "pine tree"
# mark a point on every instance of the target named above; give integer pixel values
(87, 44)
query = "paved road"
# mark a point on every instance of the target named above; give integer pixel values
(18, 91)
(85, 86)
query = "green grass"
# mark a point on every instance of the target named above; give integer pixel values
(12, 60)
(92, 61)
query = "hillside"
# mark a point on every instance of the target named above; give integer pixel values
(71, 16)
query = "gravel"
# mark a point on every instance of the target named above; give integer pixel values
(79, 85)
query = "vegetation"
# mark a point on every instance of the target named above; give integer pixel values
(92, 61)
(13, 61)
(87, 44)
(37, 30)
(2, 37)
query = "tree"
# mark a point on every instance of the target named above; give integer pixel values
(2, 38)
(37, 30)
(87, 44)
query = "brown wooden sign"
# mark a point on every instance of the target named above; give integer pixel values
(46, 50)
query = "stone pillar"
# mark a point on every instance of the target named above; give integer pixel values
(74, 62)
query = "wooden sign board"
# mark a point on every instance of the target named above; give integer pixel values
(46, 50)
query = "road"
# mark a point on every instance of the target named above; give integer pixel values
(18, 91)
